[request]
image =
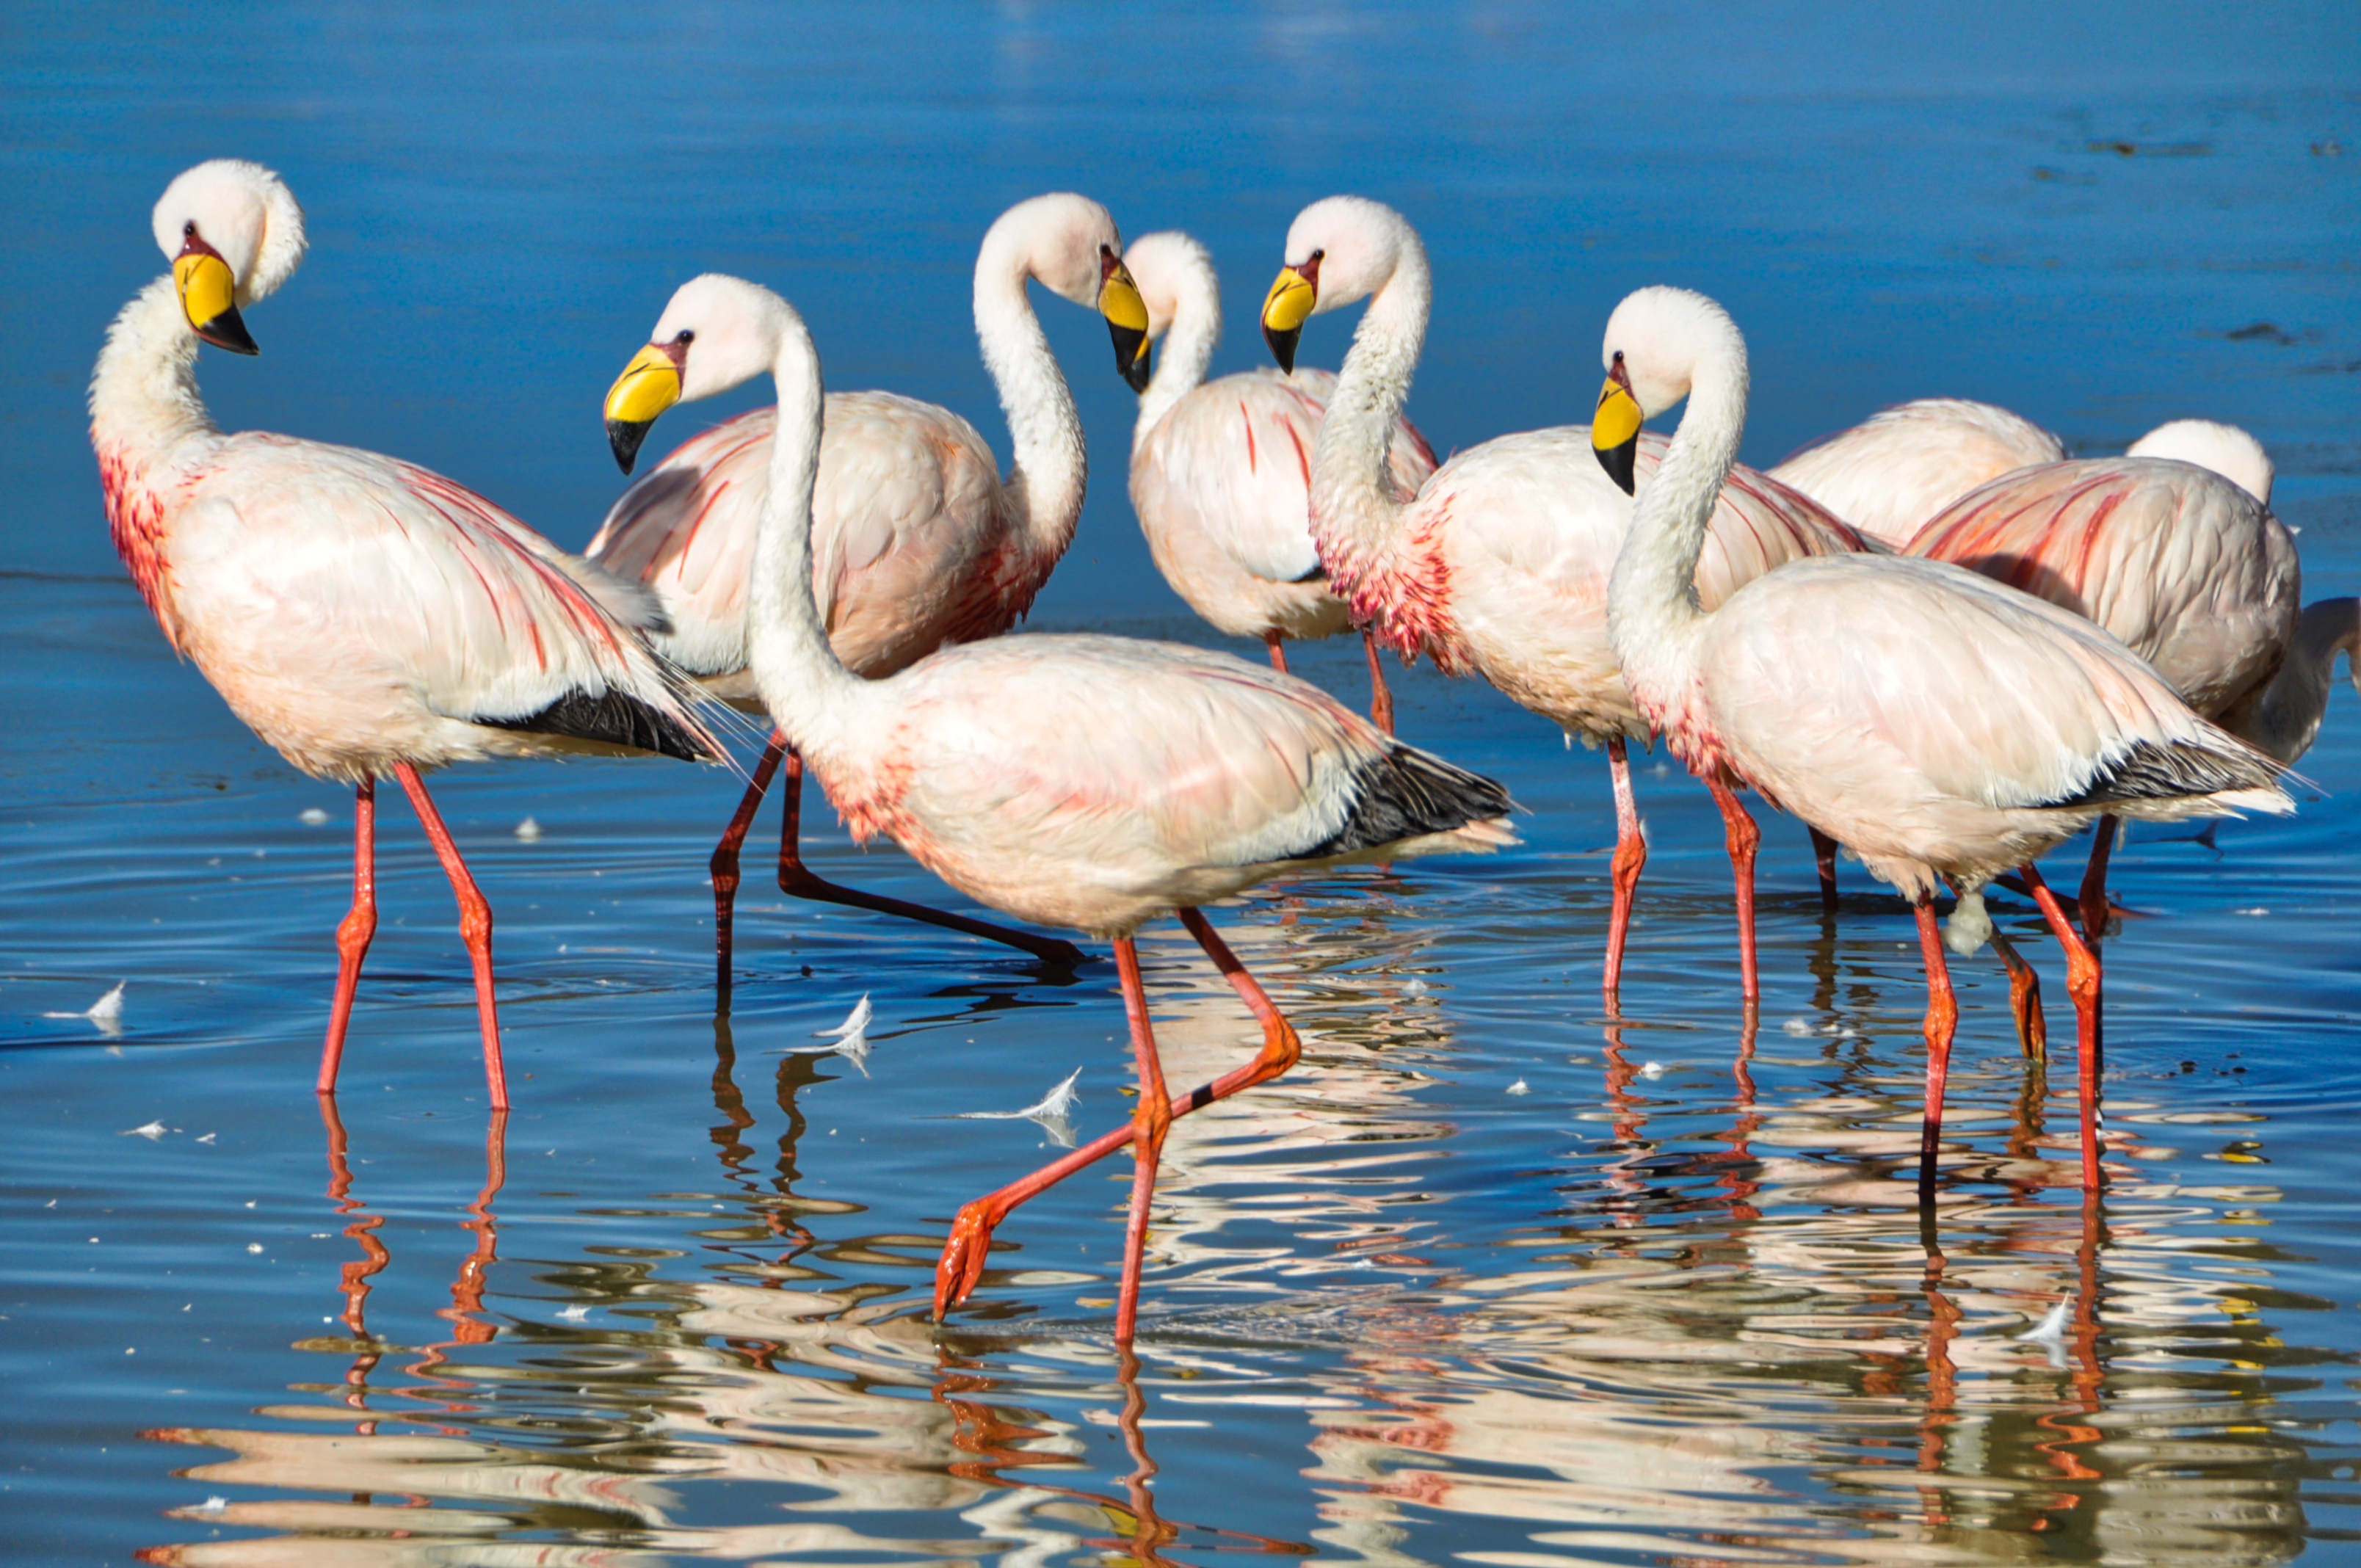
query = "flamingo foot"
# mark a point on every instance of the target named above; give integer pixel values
(960, 1268)
(2024, 1001)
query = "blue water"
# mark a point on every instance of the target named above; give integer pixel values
(1398, 1312)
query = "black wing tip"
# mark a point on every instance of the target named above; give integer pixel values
(2176, 770)
(1409, 794)
(613, 718)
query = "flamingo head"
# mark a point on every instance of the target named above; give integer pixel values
(1656, 340)
(1071, 245)
(1340, 250)
(2224, 448)
(234, 233)
(717, 333)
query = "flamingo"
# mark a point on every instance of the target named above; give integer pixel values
(917, 539)
(1939, 723)
(1093, 782)
(1499, 564)
(1889, 474)
(1221, 471)
(361, 615)
(2183, 565)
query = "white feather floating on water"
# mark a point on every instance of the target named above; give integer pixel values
(1518, 1088)
(106, 1012)
(529, 830)
(1052, 1111)
(151, 1132)
(855, 1022)
(313, 817)
(2050, 1334)
(1652, 1070)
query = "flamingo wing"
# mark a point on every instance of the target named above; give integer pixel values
(2183, 567)
(1891, 473)
(1864, 671)
(685, 529)
(342, 573)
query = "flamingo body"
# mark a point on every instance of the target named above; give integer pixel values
(2181, 566)
(1889, 474)
(916, 543)
(1000, 770)
(1222, 485)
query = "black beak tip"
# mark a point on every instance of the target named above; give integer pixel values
(623, 437)
(227, 331)
(1282, 346)
(1619, 463)
(1136, 372)
(1130, 355)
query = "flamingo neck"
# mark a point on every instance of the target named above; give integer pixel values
(1654, 621)
(2297, 701)
(805, 685)
(1052, 466)
(1188, 346)
(147, 421)
(1356, 519)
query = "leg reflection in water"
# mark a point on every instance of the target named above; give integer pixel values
(1141, 1532)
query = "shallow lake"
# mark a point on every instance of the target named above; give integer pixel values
(1487, 1279)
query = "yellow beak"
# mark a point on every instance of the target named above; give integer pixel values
(649, 385)
(1284, 310)
(1614, 430)
(1126, 319)
(209, 299)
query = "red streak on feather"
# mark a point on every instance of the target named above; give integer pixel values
(1251, 466)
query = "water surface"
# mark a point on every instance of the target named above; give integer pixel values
(1486, 1280)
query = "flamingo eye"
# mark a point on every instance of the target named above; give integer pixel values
(1318, 253)
(686, 337)
(1619, 356)
(189, 230)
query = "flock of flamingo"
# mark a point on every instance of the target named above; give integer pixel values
(1939, 642)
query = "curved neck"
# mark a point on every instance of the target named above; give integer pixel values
(801, 680)
(143, 402)
(1188, 346)
(1044, 429)
(2289, 716)
(1653, 618)
(1356, 516)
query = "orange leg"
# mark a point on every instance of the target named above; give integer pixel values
(2023, 1000)
(352, 935)
(1630, 855)
(1824, 852)
(962, 1264)
(475, 927)
(1277, 643)
(2095, 883)
(2082, 986)
(1942, 1021)
(724, 864)
(1742, 836)
(1381, 696)
(1151, 1119)
(797, 881)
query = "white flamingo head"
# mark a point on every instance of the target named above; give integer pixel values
(1071, 245)
(1340, 250)
(1656, 342)
(2224, 448)
(1168, 267)
(234, 233)
(717, 333)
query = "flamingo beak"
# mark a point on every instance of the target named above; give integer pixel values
(1287, 307)
(649, 385)
(1615, 428)
(1126, 319)
(209, 297)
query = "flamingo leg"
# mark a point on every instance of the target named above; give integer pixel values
(1824, 852)
(2023, 1000)
(797, 881)
(1277, 643)
(353, 934)
(2095, 883)
(475, 926)
(724, 864)
(2082, 986)
(1943, 1022)
(962, 1264)
(1630, 855)
(1742, 836)
(1150, 1120)
(1381, 696)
